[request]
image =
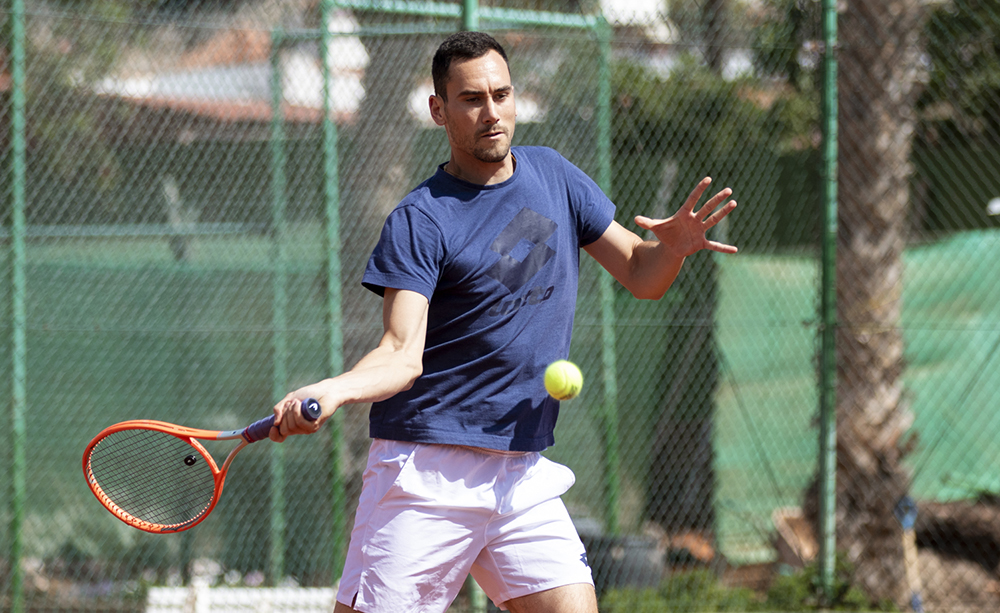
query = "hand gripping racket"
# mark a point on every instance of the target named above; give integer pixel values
(157, 477)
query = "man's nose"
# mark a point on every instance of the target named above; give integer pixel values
(491, 114)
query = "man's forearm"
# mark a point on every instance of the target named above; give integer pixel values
(381, 374)
(653, 269)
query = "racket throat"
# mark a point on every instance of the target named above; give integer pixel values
(231, 434)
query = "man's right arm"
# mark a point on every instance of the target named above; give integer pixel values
(390, 368)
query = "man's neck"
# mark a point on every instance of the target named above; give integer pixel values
(482, 173)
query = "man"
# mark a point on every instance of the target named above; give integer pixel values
(478, 270)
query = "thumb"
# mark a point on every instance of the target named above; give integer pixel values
(645, 222)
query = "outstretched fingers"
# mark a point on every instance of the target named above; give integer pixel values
(717, 216)
(711, 216)
(713, 202)
(696, 193)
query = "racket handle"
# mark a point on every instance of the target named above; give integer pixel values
(258, 430)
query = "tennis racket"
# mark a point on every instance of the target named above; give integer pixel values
(158, 477)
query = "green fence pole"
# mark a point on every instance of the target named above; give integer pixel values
(17, 285)
(334, 300)
(828, 307)
(280, 300)
(609, 359)
(470, 15)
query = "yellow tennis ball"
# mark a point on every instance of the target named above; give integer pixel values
(563, 380)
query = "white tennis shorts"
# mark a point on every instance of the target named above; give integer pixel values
(431, 514)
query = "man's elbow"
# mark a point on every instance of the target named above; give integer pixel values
(647, 292)
(647, 287)
(648, 295)
(413, 370)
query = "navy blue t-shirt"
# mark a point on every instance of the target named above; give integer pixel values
(499, 266)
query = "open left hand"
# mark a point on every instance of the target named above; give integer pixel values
(683, 233)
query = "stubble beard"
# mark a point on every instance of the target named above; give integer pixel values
(493, 154)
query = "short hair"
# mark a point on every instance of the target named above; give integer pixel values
(461, 46)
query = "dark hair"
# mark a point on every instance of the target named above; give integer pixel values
(461, 46)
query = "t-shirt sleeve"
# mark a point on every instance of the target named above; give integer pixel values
(408, 254)
(593, 209)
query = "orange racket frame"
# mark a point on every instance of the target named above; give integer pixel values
(257, 431)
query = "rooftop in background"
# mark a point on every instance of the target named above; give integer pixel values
(228, 78)
(647, 16)
(628, 12)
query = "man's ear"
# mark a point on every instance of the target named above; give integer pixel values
(436, 105)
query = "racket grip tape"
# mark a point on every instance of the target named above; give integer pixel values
(259, 429)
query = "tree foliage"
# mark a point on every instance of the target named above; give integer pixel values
(66, 53)
(692, 110)
(963, 58)
(786, 48)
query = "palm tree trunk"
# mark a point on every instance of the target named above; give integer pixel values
(878, 63)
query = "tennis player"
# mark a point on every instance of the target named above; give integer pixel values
(478, 271)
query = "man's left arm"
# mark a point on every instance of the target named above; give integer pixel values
(647, 268)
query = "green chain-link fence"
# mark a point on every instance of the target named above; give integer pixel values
(174, 249)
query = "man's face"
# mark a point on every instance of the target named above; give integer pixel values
(479, 112)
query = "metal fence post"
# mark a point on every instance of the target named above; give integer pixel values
(609, 413)
(828, 308)
(280, 304)
(470, 15)
(334, 299)
(17, 284)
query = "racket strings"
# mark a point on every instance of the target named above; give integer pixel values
(153, 476)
